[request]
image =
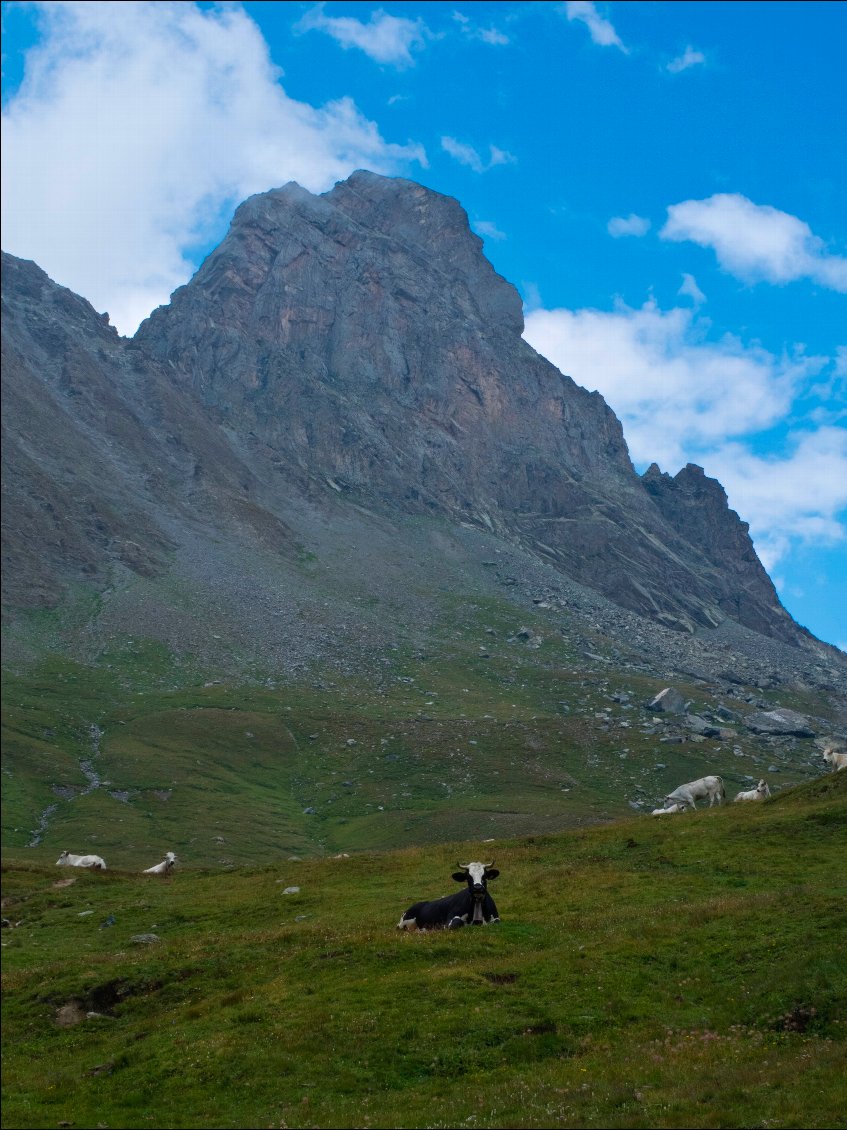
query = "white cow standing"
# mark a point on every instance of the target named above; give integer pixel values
(711, 787)
(836, 758)
(759, 793)
(93, 861)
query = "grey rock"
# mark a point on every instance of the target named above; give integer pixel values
(781, 721)
(378, 290)
(145, 939)
(668, 701)
(701, 726)
(344, 381)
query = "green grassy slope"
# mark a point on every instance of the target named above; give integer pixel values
(674, 972)
(436, 746)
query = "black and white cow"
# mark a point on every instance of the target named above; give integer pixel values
(474, 905)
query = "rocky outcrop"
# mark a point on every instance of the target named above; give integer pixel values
(105, 459)
(361, 339)
(781, 721)
(354, 347)
(363, 336)
(696, 506)
(668, 701)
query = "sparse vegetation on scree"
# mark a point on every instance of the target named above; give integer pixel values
(480, 735)
(682, 972)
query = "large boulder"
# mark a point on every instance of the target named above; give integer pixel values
(668, 701)
(780, 721)
(702, 726)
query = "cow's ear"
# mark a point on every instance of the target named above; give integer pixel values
(491, 873)
(460, 876)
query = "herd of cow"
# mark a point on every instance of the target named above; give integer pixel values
(97, 863)
(474, 906)
(712, 788)
(706, 788)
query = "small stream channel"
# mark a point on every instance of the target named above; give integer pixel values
(95, 781)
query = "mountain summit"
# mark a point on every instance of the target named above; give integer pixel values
(363, 336)
(341, 369)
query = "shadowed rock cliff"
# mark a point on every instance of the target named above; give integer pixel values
(361, 340)
(106, 460)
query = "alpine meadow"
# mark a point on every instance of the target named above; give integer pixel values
(342, 574)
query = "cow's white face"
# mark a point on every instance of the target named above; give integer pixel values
(476, 872)
(475, 875)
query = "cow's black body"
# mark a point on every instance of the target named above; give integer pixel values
(473, 906)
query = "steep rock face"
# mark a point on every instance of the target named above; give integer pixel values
(361, 339)
(697, 507)
(355, 349)
(105, 459)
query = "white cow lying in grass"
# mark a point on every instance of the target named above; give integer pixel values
(68, 860)
(835, 757)
(669, 811)
(759, 793)
(686, 795)
(162, 868)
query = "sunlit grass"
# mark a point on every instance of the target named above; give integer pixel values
(684, 974)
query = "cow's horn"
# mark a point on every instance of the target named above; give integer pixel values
(487, 865)
(464, 866)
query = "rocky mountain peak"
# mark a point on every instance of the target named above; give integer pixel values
(358, 345)
(438, 227)
(29, 290)
(284, 247)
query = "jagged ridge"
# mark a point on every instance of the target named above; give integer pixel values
(355, 344)
(362, 336)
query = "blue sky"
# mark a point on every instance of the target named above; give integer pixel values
(664, 183)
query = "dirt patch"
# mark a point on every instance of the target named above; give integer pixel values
(70, 1014)
(797, 1020)
(101, 1000)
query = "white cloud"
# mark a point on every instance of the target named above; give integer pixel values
(689, 58)
(600, 29)
(684, 398)
(690, 289)
(489, 35)
(654, 366)
(137, 128)
(755, 241)
(385, 38)
(628, 225)
(467, 155)
(492, 36)
(488, 229)
(799, 496)
(531, 296)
